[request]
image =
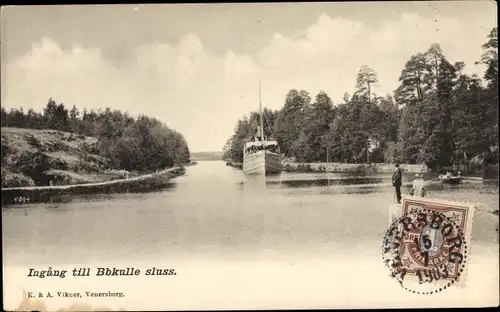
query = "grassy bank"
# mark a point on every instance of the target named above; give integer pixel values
(33, 157)
(38, 157)
(40, 164)
(34, 194)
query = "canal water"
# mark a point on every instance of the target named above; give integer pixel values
(296, 240)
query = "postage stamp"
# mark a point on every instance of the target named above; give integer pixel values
(427, 246)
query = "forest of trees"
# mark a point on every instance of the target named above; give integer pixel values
(141, 144)
(438, 116)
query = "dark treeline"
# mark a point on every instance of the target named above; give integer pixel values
(141, 144)
(438, 116)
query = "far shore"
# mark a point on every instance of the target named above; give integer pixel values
(341, 167)
(354, 168)
(335, 167)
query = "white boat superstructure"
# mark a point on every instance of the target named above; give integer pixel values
(261, 156)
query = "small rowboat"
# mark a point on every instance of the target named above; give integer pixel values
(450, 179)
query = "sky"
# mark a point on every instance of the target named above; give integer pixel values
(197, 67)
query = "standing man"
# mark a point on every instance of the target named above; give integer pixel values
(396, 182)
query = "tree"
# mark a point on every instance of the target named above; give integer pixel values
(346, 98)
(143, 144)
(270, 118)
(74, 113)
(292, 119)
(348, 127)
(300, 148)
(459, 66)
(391, 116)
(16, 118)
(237, 141)
(56, 116)
(74, 119)
(4, 120)
(89, 123)
(438, 148)
(490, 58)
(321, 115)
(433, 57)
(147, 144)
(470, 115)
(34, 120)
(438, 116)
(365, 78)
(412, 81)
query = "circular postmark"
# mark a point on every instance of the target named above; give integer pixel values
(425, 251)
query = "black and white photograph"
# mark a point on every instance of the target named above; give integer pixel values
(213, 156)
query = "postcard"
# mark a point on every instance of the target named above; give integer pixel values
(250, 156)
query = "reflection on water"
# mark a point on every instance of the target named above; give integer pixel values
(216, 211)
(57, 200)
(327, 182)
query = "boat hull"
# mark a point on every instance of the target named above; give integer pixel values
(452, 181)
(262, 163)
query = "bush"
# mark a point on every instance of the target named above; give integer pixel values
(90, 148)
(33, 164)
(58, 163)
(360, 168)
(16, 180)
(33, 141)
(5, 149)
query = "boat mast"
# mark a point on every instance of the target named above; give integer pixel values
(261, 117)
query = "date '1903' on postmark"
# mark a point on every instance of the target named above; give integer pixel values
(427, 247)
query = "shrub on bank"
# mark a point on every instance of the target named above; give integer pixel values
(16, 180)
(33, 141)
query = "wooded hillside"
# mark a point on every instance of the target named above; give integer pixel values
(437, 116)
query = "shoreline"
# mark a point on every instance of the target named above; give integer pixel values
(333, 167)
(352, 168)
(234, 164)
(62, 193)
(340, 167)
